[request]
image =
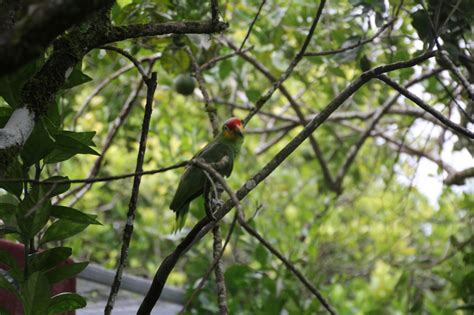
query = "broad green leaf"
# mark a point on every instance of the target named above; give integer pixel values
(175, 60)
(56, 189)
(62, 229)
(9, 261)
(124, 3)
(253, 95)
(43, 261)
(421, 22)
(77, 77)
(38, 145)
(12, 84)
(14, 171)
(69, 144)
(36, 294)
(64, 302)
(65, 271)
(73, 215)
(33, 213)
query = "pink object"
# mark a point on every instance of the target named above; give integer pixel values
(8, 300)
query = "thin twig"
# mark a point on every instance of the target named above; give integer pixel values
(211, 63)
(129, 57)
(358, 44)
(132, 207)
(418, 101)
(263, 99)
(210, 109)
(376, 117)
(252, 24)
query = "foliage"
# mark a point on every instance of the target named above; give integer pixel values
(380, 247)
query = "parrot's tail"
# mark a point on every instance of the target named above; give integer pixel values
(181, 215)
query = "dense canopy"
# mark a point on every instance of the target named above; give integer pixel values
(356, 167)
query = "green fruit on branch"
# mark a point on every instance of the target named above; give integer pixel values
(184, 84)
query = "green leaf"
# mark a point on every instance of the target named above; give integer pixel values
(9, 261)
(64, 302)
(421, 23)
(33, 212)
(253, 95)
(175, 60)
(69, 144)
(73, 215)
(62, 229)
(77, 77)
(65, 271)
(49, 258)
(124, 3)
(36, 294)
(56, 189)
(225, 69)
(12, 84)
(236, 277)
(38, 145)
(14, 171)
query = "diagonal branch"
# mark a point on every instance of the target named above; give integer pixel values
(297, 108)
(132, 207)
(379, 113)
(418, 101)
(263, 99)
(205, 224)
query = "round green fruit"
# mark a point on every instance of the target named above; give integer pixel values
(184, 84)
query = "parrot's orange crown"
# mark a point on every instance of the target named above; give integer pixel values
(233, 128)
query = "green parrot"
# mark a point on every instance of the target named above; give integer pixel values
(193, 181)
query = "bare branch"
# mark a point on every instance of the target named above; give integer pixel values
(359, 44)
(134, 60)
(252, 24)
(263, 99)
(450, 124)
(132, 207)
(210, 109)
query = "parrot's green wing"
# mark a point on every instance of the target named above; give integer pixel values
(191, 184)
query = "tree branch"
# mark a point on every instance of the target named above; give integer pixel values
(132, 207)
(359, 44)
(205, 224)
(119, 33)
(46, 20)
(450, 124)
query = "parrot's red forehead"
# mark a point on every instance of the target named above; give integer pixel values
(233, 122)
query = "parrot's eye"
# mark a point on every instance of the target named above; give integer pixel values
(226, 127)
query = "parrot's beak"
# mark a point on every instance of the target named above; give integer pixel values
(239, 129)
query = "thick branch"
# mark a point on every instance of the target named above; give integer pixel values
(204, 225)
(119, 33)
(45, 21)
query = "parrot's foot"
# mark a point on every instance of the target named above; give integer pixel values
(217, 203)
(210, 213)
